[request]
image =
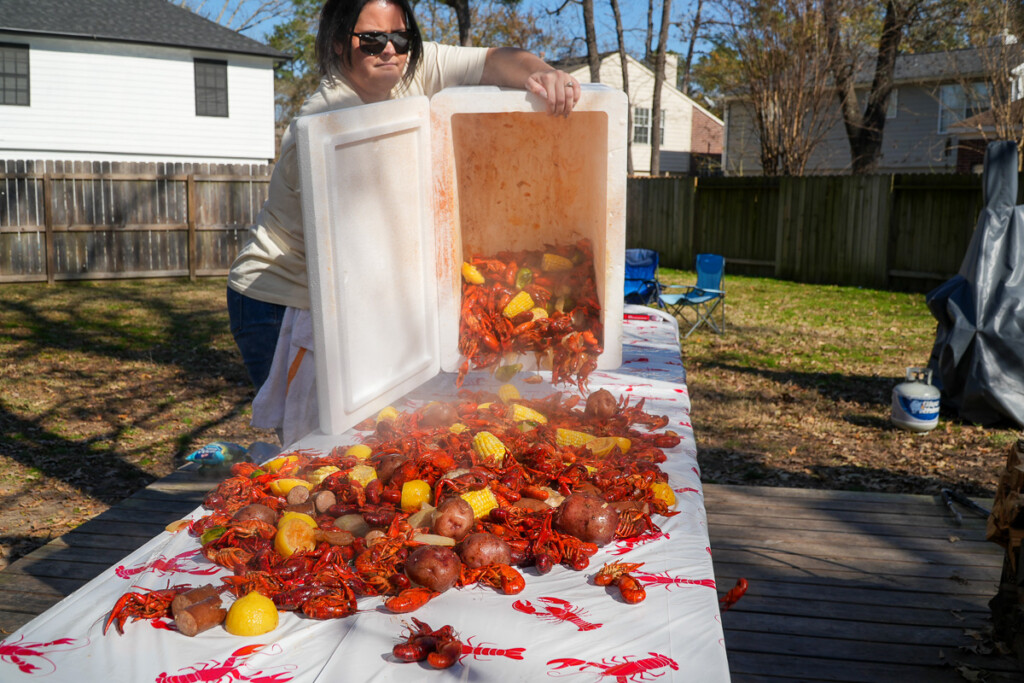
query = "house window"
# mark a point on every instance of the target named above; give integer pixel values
(211, 87)
(892, 107)
(957, 104)
(14, 74)
(642, 126)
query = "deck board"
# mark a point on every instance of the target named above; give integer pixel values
(844, 586)
(848, 586)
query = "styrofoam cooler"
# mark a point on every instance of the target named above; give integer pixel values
(395, 195)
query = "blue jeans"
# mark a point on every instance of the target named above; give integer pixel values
(255, 326)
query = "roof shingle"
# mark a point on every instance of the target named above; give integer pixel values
(154, 22)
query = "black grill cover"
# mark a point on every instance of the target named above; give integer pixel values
(978, 357)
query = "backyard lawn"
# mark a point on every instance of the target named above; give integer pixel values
(106, 386)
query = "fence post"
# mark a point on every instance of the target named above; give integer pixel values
(48, 227)
(190, 202)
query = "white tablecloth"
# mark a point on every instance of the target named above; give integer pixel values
(560, 626)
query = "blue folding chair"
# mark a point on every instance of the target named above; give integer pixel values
(641, 282)
(704, 298)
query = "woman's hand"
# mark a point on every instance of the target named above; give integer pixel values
(514, 68)
(561, 90)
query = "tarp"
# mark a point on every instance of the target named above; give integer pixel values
(978, 357)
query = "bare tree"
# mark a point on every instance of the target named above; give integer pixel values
(694, 33)
(593, 54)
(992, 105)
(659, 80)
(649, 36)
(239, 15)
(464, 17)
(625, 84)
(779, 64)
(865, 125)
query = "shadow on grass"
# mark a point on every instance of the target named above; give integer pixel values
(133, 330)
(834, 386)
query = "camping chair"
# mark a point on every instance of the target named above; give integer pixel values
(704, 298)
(641, 281)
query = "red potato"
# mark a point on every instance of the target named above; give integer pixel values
(479, 549)
(256, 511)
(601, 404)
(387, 464)
(453, 518)
(434, 567)
(588, 518)
(531, 504)
(439, 415)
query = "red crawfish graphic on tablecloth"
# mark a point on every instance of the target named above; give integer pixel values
(623, 669)
(228, 670)
(625, 545)
(557, 609)
(482, 650)
(164, 566)
(663, 579)
(31, 658)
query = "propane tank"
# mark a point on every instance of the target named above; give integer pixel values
(915, 403)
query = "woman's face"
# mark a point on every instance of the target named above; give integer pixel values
(373, 76)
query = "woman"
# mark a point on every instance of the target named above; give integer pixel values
(367, 51)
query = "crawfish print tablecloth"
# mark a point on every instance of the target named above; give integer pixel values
(560, 627)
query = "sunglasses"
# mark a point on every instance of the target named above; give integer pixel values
(374, 42)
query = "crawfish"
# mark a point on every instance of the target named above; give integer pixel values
(409, 600)
(441, 648)
(734, 594)
(618, 574)
(500, 576)
(148, 604)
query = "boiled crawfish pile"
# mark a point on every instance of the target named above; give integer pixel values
(435, 444)
(561, 327)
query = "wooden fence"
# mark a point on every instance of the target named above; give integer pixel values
(97, 220)
(902, 232)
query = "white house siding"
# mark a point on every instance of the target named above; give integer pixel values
(675, 149)
(120, 101)
(911, 142)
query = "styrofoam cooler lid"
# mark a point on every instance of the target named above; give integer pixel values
(369, 230)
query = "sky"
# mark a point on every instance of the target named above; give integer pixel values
(634, 20)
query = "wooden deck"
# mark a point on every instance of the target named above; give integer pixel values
(849, 586)
(843, 586)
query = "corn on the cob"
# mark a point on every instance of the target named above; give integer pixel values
(481, 407)
(360, 450)
(482, 501)
(471, 275)
(489, 447)
(520, 302)
(551, 262)
(508, 393)
(570, 437)
(457, 428)
(364, 474)
(521, 413)
(317, 476)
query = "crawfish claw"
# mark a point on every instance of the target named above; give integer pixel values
(566, 662)
(524, 606)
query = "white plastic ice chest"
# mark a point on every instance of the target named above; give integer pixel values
(395, 195)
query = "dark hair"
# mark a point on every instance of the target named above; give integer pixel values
(337, 21)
